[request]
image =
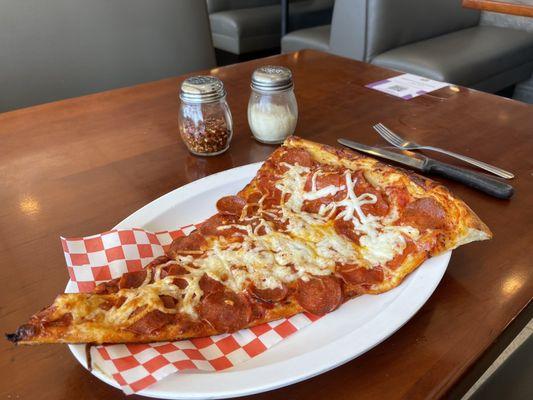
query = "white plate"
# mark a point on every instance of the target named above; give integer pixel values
(335, 339)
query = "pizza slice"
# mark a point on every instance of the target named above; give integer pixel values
(315, 227)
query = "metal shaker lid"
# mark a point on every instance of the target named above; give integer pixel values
(270, 78)
(202, 89)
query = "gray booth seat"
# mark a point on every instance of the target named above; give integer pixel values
(438, 39)
(240, 26)
(486, 57)
(55, 49)
(316, 38)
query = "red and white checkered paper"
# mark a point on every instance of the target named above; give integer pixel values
(99, 258)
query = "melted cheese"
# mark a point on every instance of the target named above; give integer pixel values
(267, 258)
(146, 295)
(311, 246)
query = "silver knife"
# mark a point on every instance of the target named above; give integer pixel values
(476, 180)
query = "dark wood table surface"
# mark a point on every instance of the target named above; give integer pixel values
(79, 166)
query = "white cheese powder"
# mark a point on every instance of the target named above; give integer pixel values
(272, 122)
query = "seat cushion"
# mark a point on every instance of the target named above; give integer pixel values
(394, 23)
(251, 29)
(465, 57)
(316, 38)
(245, 30)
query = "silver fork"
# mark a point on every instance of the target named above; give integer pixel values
(401, 143)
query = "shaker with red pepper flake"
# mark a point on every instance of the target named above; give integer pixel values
(205, 119)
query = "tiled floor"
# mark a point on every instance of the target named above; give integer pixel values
(522, 336)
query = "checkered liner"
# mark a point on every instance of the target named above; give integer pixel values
(102, 257)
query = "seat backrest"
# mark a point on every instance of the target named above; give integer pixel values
(362, 29)
(56, 49)
(224, 5)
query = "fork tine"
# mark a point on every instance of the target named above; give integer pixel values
(379, 129)
(385, 131)
(391, 136)
(387, 135)
(391, 133)
(398, 139)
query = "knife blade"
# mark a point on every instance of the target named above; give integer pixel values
(476, 180)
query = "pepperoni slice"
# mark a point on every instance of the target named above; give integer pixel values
(270, 295)
(424, 213)
(266, 183)
(106, 305)
(225, 311)
(276, 221)
(254, 197)
(110, 303)
(296, 156)
(131, 280)
(62, 321)
(210, 226)
(254, 223)
(46, 314)
(410, 247)
(186, 244)
(173, 270)
(313, 206)
(210, 285)
(231, 205)
(158, 261)
(354, 274)
(319, 295)
(271, 202)
(380, 207)
(325, 179)
(107, 287)
(179, 282)
(330, 178)
(151, 322)
(137, 311)
(120, 301)
(168, 301)
(251, 210)
(398, 194)
(259, 308)
(347, 229)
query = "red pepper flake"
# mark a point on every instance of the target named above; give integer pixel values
(207, 136)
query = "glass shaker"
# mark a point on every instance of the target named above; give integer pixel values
(205, 122)
(272, 108)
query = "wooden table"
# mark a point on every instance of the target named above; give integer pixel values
(79, 166)
(522, 8)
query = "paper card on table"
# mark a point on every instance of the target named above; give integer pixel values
(407, 86)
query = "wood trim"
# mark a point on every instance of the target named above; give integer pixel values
(503, 7)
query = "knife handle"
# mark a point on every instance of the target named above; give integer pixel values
(482, 182)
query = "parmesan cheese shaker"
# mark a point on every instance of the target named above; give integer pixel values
(272, 108)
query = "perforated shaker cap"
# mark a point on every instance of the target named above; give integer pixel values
(202, 89)
(270, 78)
